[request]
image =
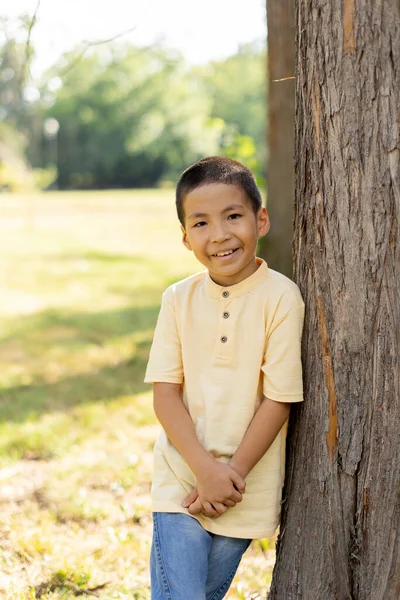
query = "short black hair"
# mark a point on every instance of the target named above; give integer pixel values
(216, 169)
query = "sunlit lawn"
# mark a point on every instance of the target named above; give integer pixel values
(81, 277)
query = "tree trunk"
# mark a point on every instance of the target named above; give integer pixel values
(280, 134)
(340, 531)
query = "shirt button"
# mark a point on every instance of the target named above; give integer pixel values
(224, 339)
(225, 315)
(225, 294)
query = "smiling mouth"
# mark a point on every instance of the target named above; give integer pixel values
(226, 253)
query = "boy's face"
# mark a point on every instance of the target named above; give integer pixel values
(222, 230)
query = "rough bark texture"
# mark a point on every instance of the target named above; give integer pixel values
(340, 532)
(280, 134)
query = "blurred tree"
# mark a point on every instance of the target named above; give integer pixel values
(340, 530)
(237, 88)
(11, 90)
(276, 247)
(18, 115)
(129, 117)
(15, 173)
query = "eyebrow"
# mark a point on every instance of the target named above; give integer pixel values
(198, 215)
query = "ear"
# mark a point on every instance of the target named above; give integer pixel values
(185, 240)
(263, 223)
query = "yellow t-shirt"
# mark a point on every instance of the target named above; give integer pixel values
(228, 347)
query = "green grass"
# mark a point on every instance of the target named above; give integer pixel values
(81, 280)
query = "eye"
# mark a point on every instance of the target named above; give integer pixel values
(234, 216)
(200, 224)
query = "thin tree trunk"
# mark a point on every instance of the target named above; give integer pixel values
(280, 134)
(340, 531)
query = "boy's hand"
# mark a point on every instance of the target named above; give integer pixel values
(190, 498)
(219, 487)
(193, 503)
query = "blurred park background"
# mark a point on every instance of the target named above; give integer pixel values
(96, 123)
(109, 113)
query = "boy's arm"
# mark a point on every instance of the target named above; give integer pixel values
(262, 431)
(216, 482)
(282, 379)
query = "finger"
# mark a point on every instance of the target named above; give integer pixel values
(220, 508)
(209, 510)
(242, 489)
(229, 503)
(236, 496)
(196, 507)
(238, 481)
(190, 498)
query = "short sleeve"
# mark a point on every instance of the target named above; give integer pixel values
(165, 360)
(282, 370)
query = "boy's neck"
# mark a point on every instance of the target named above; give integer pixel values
(237, 278)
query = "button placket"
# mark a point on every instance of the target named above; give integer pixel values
(223, 346)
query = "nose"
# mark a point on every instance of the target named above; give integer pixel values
(219, 233)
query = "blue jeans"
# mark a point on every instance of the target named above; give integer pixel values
(189, 563)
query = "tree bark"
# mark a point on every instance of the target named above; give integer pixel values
(340, 530)
(280, 134)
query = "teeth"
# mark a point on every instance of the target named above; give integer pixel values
(224, 253)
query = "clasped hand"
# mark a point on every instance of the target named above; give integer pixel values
(219, 487)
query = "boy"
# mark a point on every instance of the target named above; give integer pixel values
(225, 367)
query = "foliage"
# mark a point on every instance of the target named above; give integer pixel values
(237, 88)
(15, 174)
(243, 149)
(18, 117)
(44, 178)
(11, 86)
(128, 116)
